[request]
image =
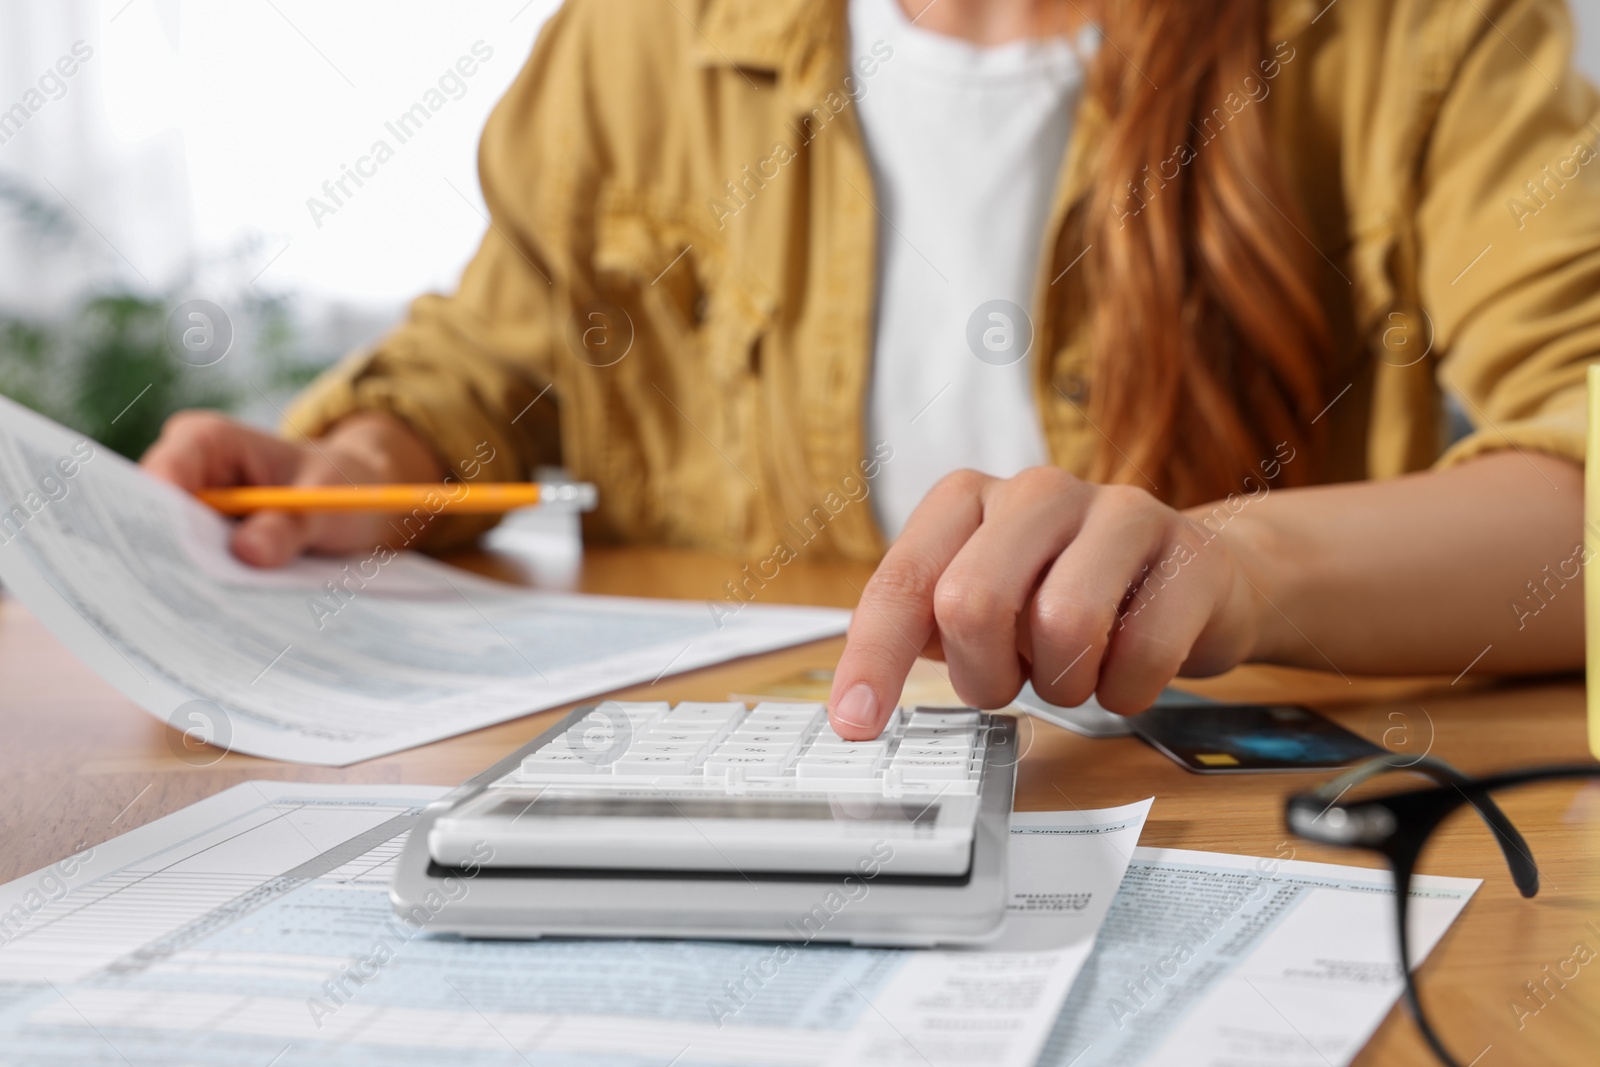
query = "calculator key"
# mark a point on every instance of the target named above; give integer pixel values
(867, 750)
(718, 764)
(791, 723)
(563, 763)
(595, 735)
(732, 748)
(925, 717)
(834, 758)
(836, 747)
(940, 731)
(652, 748)
(763, 737)
(668, 736)
(936, 744)
(778, 724)
(703, 713)
(828, 767)
(962, 759)
(665, 765)
(932, 770)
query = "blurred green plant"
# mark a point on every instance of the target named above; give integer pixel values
(33, 210)
(107, 371)
(105, 368)
(289, 365)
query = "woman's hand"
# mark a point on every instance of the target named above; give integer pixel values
(203, 450)
(1085, 589)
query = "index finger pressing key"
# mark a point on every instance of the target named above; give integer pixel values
(895, 620)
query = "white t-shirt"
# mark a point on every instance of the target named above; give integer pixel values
(965, 144)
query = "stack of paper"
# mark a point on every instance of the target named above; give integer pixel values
(324, 661)
(255, 928)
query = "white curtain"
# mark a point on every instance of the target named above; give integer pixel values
(114, 208)
(190, 140)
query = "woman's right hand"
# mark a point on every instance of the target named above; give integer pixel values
(205, 450)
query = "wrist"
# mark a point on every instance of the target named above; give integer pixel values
(1262, 567)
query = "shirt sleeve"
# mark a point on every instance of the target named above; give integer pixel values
(472, 373)
(1509, 228)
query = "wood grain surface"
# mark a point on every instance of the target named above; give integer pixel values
(80, 764)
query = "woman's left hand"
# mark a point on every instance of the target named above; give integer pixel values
(1085, 589)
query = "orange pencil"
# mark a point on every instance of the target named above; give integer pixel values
(458, 497)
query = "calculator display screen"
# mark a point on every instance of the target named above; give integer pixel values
(857, 809)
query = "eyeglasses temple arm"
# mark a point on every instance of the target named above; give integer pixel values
(1519, 858)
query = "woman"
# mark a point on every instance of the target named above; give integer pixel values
(737, 247)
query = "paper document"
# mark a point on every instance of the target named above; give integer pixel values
(324, 661)
(1209, 960)
(255, 927)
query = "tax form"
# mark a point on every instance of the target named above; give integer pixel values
(1210, 960)
(323, 661)
(256, 924)
(255, 928)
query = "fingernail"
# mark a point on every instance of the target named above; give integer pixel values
(858, 706)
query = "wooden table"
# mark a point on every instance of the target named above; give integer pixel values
(80, 764)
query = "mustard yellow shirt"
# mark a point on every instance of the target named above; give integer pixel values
(674, 297)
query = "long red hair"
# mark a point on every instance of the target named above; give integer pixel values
(1208, 335)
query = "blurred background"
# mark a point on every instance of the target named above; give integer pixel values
(154, 152)
(158, 151)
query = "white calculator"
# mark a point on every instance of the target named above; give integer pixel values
(719, 787)
(722, 821)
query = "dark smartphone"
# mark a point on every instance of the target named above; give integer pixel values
(1247, 738)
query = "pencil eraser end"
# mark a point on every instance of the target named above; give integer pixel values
(569, 496)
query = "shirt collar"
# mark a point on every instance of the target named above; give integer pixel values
(806, 42)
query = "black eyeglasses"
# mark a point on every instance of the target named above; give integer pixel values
(1493, 1015)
